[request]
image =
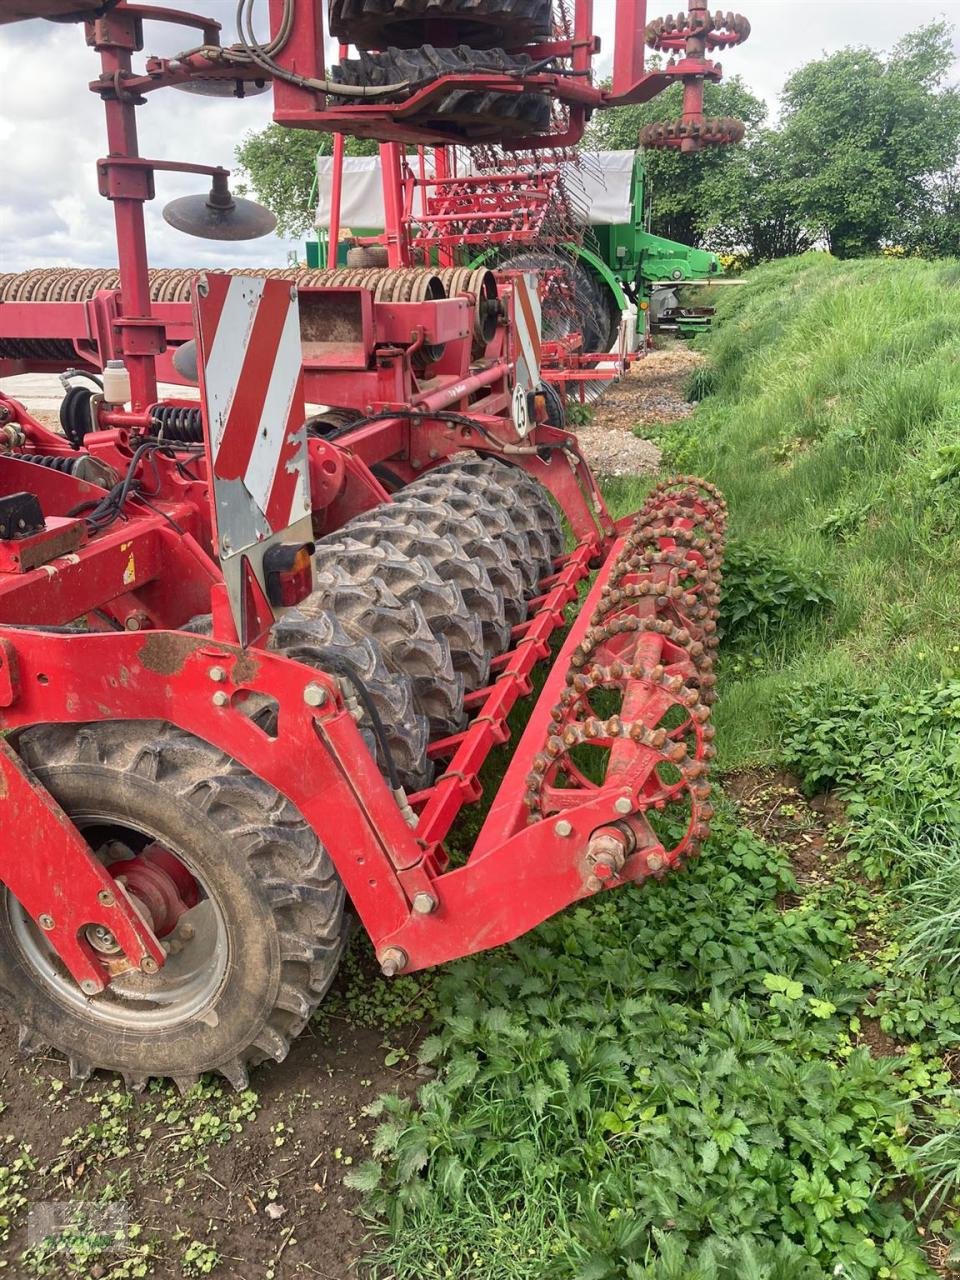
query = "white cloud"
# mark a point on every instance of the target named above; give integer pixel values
(51, 126)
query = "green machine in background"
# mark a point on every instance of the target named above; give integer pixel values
(619, 264)
(649, 268)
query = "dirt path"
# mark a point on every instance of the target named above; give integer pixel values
(653, 392)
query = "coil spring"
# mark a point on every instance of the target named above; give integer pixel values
(177, 422)
(54, 463)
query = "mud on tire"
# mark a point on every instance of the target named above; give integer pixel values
(277, 904)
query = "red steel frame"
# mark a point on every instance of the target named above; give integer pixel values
(156, 568)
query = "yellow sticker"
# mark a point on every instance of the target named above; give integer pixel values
(130, 572)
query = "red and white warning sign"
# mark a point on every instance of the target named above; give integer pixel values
(251, 386)
(527, 323)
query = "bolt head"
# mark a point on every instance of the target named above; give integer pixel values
(563, 828)
(106, 898)
(148, 965)
(45, 921)
(220, 699)
(314, 695)
(424, 903)
(624, 805)
(654, 863)
(392, 962)
(217, 675)
(89, 987)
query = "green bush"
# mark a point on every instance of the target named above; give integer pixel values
(763, 592)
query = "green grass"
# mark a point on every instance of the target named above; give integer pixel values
(671, 1083)
(833, 427)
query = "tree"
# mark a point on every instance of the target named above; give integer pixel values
(866, 139)
(280, 165)
(753, 209)
(678, 182)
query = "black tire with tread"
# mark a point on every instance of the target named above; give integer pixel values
(369, 609)
(281, 900)
(522, 501)
(450, 562)
(321, 642)
(477, 115)
(480, 530)
(369, 24)
(413, 579)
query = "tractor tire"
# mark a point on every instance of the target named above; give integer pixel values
(321, 642)
(368, 608)
(472, 486)
(478, 115)
(480, 530)
(451, 563)
(410, 24)
(410, 579)
(266, 935)
(528, 502)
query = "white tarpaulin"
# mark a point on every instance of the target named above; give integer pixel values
(601, 186)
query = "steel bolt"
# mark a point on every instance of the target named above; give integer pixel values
(148, 965)
(45, 921)
(217, 675)
(220, 699)
(564, 828)
(654, 863)
(314, 695)
(89, 987)
(624, 805)
(392, 962)
(424, 903)
(106, 898)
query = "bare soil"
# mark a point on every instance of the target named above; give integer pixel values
(651, 394)
(256, 1178)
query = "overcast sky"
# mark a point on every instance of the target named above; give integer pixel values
(51, 125)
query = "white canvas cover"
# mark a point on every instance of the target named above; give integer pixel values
(601, 187)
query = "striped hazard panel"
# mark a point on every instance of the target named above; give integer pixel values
(252, 389)
(527, 319)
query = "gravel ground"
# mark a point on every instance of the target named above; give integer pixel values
(652, 392)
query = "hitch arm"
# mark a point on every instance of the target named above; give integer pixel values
(62, 886)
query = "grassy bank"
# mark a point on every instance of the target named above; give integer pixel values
(750, 1071)
(831, 419)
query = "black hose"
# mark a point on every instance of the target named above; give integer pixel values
(341, 667)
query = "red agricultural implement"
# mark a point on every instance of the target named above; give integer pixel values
(256, 648)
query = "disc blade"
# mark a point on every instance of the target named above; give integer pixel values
(244, 220)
